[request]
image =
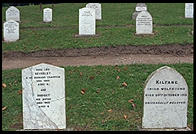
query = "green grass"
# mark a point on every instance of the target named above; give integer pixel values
(60, 33)
(90, 111)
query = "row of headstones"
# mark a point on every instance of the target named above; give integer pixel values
(87, 19)
(43, 86)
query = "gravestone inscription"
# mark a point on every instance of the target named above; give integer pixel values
(11, 31)
(144, 23)
(43, 97)
(87, 21)
(12, 13)
(97, 8)
(165, 100)
(47, 15)
(189, 10)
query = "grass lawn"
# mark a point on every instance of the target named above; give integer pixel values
(36, 35)
(105, 101)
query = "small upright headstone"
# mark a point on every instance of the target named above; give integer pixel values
(144, 23)
(139, 7)
(97, 7)
(43, 88)
(189, 10)
(11, 31)
(87, 21)
(165, 100)
(12, 13)
(47, 15)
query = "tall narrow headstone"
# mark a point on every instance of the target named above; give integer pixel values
(144, 23)
(165, 100)
(47, 15)
(12, 13)
(189, 10)
(97, 7)
(43, 97)
(87, 21)
(11, 31)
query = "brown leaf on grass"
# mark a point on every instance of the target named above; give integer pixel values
(81, 74)
(117, 77)
(102, 113)
(124, 84)
(4, 108)
(98, 90)
(130, 101)
(20, 91)
(83, 91)
(92, 77)
(133, 105)
(125, 116)
(118, 70)
(110, 110)
(4, 85)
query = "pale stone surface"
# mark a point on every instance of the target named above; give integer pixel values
(140, 7)
(189, 10)
(47, 15)
(43, 97)
(97, 8)
(11, 31)
(87, 21)
(12, 13)
(165, 100)
(144, 23)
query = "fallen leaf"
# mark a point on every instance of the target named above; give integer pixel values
(117, 77)
(130, 101)
(125, 116)
(124, 84)
(98, 90)
(20, 91)
(3, 85)
(133, 105)
(92, 77)
(4, 108)
(102, 113)
(83, 91)
(118, 70)
(110, 110)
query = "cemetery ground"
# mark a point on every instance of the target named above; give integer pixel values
(98, 97)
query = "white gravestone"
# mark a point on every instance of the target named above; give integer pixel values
(141, 7)
(144, 23)
(165, 100)
(87, 21)
(43, 97)
(47, 15)
(97, 8)
(12, 13)
(189, 10)
(11, 31)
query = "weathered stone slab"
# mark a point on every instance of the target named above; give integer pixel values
(189, 10)
(144, 23)
(87, 21)
(12, 13)
(43, 97)
(47, 15)
(165, 100)
(11, 31)
(97, 8)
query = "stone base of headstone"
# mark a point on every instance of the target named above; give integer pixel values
(67, 129)
(81, 36)
(150, 34)
(165, 129)
(134, 15)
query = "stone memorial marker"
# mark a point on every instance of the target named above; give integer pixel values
(97, 8)
(47, 15)
(139, 7)
(43, 97)
(189, 10)
(165, 100)
(12, 13)
(87, 21)
(11, 31)
(144, 23)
